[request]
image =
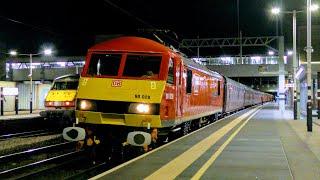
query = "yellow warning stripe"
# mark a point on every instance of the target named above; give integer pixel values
(203, 169)
(175, 167)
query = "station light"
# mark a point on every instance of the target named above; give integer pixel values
(289, 53)
(13, 52)
(47, 52)
(275, 10)
(270, 53)
(314, 7)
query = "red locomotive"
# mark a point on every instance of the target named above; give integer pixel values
(134, 89)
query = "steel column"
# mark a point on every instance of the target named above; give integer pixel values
(309, 51)
(281, 81)
(318, 94)
(294, 63)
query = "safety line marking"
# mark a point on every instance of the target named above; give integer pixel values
(175, 167)
(159, 148)
(204, 168)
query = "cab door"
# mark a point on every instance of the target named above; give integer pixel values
(178, 82)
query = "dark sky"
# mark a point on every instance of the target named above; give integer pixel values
(71, 25)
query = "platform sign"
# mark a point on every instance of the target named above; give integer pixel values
(10, 91)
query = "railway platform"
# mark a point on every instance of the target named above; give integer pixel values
(21, 115)
(257, 143)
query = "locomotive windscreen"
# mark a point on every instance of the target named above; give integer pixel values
(141, 65)
(68, 85)
(104, 64)
(134, 66)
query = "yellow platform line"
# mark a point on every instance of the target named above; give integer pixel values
(159, 148)
(175, 167)
(204, 168)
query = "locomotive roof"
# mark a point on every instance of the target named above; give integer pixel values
(200, 67)
(130, 43)
(71, 76)
(138, 44)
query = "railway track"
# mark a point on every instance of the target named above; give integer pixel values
(26, 134)
(70, 165)
(23, 163)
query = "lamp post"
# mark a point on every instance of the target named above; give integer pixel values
(277, 11)
(46, 52)
(309, 70)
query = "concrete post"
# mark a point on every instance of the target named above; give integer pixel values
(294, 63)
(281, 79)
(309, 81)
(318, 94)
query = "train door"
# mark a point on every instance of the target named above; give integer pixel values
(179, 89)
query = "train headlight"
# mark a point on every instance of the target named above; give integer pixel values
(49, 103)
(141, 108)
(86, 105)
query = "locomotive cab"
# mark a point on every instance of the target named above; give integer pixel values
(60, 101)
(133, 90)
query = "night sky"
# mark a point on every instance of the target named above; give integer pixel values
(72, 25)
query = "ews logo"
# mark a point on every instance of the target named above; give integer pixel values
(116, 83)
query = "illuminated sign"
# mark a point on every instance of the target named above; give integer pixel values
(10, 91)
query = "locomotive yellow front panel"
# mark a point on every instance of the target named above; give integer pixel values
(134, 120)
(61, 95)
(126, 90)
(119, 101)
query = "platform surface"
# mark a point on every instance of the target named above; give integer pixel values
(257, 143)
(21, 115)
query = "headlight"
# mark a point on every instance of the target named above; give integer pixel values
(86, 105)
(48, 103)
(68, 103)
(141, 108)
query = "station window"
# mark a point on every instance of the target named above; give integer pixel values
(170, 79)
(189, 81)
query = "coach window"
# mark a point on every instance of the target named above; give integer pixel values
(170, 72)
(189, 81)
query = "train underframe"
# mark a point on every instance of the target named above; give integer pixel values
(60, 118)
(112, 142)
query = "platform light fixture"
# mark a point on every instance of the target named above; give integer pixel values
(270, 53)
(310, 8)
(289, 53)
(46, 52)
(314, 7)
(13, 52)
(275, 10)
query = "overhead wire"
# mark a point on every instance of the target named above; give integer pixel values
(163, 32)
(30, 25)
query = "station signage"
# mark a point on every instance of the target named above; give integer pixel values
(10, 91)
